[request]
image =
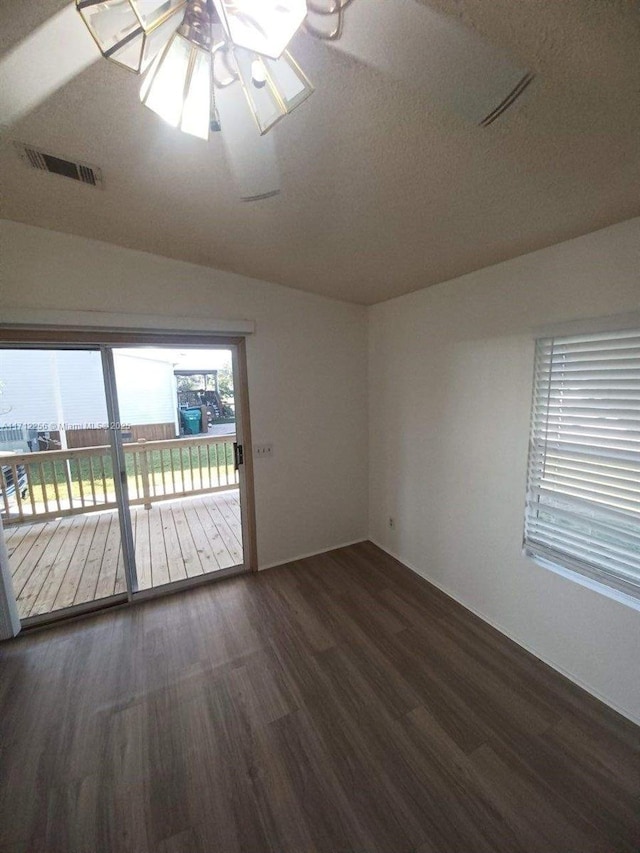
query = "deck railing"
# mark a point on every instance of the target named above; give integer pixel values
(54, 483)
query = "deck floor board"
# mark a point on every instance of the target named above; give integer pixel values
(159, 562)
(108, 568)
(76, 559)
(55, 576)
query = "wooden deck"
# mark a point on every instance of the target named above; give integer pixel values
(77, 559)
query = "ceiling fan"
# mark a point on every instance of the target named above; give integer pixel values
(224, 65)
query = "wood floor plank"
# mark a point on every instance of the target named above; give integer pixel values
(25, 557)
(69, 586)
(352, 626)
(86, 589)
(50, 588)
(142, 543)
(216, 543)
(177, 569)
(8, 530)
(232, 544)
(564, 775)
(200, 539)
(232, 519)
(232, 499)
(530, 809)
(281, 713)
(41, 570)
(13, 531)
(310, 624)
(158, 555)
(190, 555)
(297, 748)
(106, 582)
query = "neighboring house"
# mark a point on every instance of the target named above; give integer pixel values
(56, 398)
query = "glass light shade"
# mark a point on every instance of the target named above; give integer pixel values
(264, 26)
(131, 32)
(274, 93)
(224, 67)
(179, 87)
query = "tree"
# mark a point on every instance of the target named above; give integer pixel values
(225, 389)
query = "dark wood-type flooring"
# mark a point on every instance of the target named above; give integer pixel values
(335, 704)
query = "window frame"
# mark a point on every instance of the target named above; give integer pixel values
(591, 574)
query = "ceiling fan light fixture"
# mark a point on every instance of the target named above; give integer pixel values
(131, 32)
(325, 18)
(215, 125)
(179, 85)
(263, 26)
(224, 67)
(285, 87)
(258, 74)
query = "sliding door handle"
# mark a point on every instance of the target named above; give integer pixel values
(238, 455)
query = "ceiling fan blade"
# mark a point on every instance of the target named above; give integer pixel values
(43, 62)
(433, 54)
(252, 157)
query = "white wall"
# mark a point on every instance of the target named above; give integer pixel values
(306, 362)
(451, 375)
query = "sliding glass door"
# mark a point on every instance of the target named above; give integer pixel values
(121, 472)
(181, 432)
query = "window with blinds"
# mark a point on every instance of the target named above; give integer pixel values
(583, 492)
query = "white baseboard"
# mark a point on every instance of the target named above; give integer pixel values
(311, 554)
(589, 689)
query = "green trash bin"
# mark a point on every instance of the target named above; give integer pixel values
(191, 421)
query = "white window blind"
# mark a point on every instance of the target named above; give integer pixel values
(583, 493)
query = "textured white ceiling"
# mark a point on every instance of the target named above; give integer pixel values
(382, 191)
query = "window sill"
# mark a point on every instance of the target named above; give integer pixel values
(583, 580)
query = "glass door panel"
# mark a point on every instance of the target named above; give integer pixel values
(57, 488)
(179, 428)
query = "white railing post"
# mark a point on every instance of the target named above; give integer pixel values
(5, 495)
(144, 471)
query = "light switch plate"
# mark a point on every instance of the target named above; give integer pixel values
(261, 451)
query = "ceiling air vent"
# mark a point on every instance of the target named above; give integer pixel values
(82, 172)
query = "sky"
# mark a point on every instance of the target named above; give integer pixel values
(185, 358)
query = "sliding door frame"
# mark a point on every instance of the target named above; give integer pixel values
(104, 339)
(119, 469)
